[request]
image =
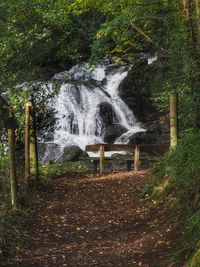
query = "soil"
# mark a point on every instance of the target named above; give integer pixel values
(98, 221)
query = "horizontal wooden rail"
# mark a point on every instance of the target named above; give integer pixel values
(118, 159)
(136, 150)
(127, 148)
(107, 147)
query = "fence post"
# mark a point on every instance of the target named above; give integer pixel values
(137, 158)
(12, 167)
(27, 140)
(34, 169)
(173, 119)
(101, 163)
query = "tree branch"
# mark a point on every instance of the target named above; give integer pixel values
(140, 31)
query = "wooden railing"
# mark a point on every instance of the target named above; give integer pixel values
(135, 149)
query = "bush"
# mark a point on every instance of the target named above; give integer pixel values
(54, 170)
(181, 169)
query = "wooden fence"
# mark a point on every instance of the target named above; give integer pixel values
(136, 150)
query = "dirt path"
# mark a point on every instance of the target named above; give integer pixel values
(93, 221)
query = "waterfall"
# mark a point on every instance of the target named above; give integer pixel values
(81, 118)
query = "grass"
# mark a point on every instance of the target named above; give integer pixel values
(178, 181)
(10, 228)
(195, 259)
(54, 170)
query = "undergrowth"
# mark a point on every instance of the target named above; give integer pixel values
(178, 180)
(11, 221)
(10, 228)
(53, 170)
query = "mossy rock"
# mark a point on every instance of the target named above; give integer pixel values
(113, 131)
(73, 153)
(117, 156)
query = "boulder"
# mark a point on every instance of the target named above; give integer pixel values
(113, 131)
(73, 153)
(106, 112)
(146, 138)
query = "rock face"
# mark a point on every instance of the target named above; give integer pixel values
(69, 153)
(112, 132)
(148, 137)
(106, 113)
(142, 81)
(72, 153)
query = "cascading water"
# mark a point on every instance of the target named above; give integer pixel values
(78, 106)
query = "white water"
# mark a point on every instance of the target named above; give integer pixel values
(78, 106)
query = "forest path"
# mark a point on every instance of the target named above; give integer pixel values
(97, 221)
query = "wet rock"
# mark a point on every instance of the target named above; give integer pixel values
(147, 137)
(106, 112)
(113, 131)
(73, 153)
(113, 68)
(49, 152)
(49, 137)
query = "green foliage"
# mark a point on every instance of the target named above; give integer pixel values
(41, 95)
(41, 36)
(183, 60)
(10, 226)
(127, 27)
(3, 168)
(178, 179)
(195, 260)
(182, 163)
(53, 170)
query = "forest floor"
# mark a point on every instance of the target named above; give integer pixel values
(87, 220)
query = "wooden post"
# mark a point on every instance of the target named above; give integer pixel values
(12, 167)
(137, 158)
(27, 141)
(173, 119)
(34, 169)
(101, 163)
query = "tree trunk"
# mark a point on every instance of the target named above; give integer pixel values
(34, 169)
(173, 119)
(12, 167)
(27, 141)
